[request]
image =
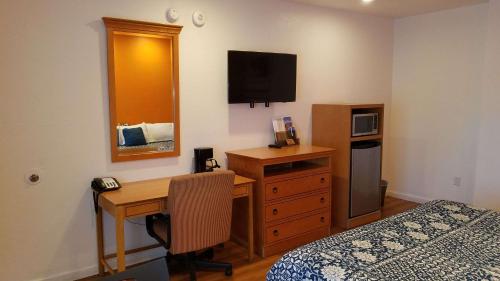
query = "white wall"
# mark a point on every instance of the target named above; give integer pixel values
(436, 103)
(54, 109)
(487, 185)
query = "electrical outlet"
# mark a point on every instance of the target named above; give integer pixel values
(457, 181)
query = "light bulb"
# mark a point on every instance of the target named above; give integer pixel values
(367, 1)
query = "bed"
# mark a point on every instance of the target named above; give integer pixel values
(439, 240)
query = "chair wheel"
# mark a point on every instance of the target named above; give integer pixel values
(228, 272)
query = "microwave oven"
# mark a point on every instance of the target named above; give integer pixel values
(364, 124)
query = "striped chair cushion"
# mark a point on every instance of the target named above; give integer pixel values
(200, 207)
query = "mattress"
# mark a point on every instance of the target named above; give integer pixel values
(439, 240)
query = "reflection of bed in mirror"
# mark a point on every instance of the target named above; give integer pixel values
(145, 137)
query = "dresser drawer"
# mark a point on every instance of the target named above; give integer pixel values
(297, 206)
(285, 188)
(296, 227)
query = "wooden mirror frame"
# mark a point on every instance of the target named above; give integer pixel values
(114, 25)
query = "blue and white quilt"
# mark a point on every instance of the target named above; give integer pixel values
(439, 240)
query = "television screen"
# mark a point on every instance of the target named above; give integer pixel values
(261, 77)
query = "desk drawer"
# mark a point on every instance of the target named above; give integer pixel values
(297, 227)
(241, 190)
(286, 188)
(143, 209)
(297, 206)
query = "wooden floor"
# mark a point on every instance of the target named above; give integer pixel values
(245, 271)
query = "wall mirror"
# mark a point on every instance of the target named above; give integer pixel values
(143, 86)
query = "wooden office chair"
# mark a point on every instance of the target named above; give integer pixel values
(199, 208)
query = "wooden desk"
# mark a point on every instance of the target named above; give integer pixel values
(141, 198)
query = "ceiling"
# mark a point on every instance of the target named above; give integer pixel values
(392, 8)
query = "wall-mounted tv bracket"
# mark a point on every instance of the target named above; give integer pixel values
(252, 104)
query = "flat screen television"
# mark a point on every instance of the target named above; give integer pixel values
(255, 77)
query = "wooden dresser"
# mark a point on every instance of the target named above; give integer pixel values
(292, 195)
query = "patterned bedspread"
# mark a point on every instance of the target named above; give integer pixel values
(440, 240)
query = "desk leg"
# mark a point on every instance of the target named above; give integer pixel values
(100, 240)
(120, 239)
(250, 224)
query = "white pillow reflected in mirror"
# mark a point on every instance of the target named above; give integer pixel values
(157, 132)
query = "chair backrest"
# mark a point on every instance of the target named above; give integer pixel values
(200, 208)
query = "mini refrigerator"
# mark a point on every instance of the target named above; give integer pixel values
(365, 178)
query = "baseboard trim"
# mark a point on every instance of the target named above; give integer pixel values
(408, 197)
(71, 275)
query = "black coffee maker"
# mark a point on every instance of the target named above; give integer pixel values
(203, 160)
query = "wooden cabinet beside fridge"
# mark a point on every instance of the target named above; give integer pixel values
(332, 127)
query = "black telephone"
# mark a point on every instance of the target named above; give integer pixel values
(100, 185)
(105, 184)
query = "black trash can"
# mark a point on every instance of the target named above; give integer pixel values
(383, 189)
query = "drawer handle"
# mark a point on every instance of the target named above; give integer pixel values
(322, 219)
(322, 200)
(275, 212)
(276, 232)
(275, 190)
(322, 180)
